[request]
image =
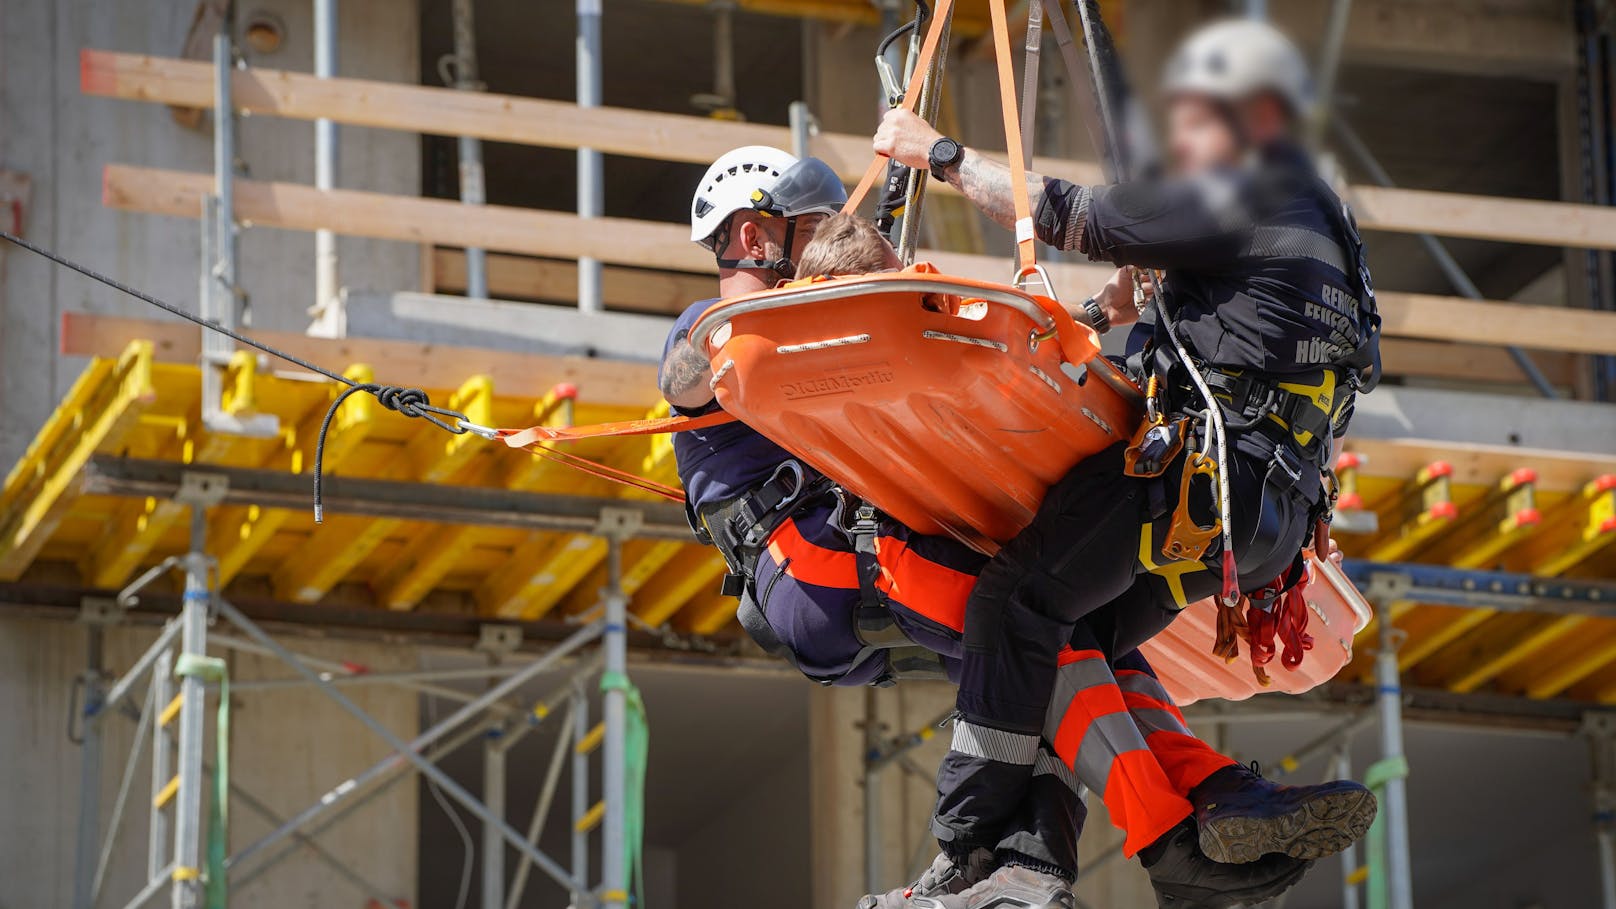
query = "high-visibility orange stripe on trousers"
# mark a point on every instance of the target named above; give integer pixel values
(1095, 735)
(1185, 759)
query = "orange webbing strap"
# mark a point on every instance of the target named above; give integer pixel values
(1026, 255)
(911, 98)
(538, 440)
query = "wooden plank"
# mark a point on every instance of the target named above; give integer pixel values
(667, 246)
(430, 366)
(1469, 362)
(526, 278)
(1522, 37)
(698, 140)
(1484, 217)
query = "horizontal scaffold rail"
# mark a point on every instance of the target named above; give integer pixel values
(432, 502)
(675, 137)
(626, 241)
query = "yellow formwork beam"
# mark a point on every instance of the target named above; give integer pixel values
(1592, 648)
(1510, 514)
(1426, 508)
(642, 559)
(341, 543)
(1595, 527)
(139, 524)
(1530, 644)
(433, 553)
(237, 532)
(706, 616)
(694, 571)
(103, 405)
(546, 567)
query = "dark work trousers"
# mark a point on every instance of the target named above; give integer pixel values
(1093, 555)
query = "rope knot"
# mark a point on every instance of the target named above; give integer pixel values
(411, 402)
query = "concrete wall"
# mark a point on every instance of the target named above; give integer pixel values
(61, 140)
(287, 748)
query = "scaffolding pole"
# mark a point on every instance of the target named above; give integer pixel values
(616, 526)
(591, 165)
(86, 861)
(197, 598)
(328, 307)
(1600, 730)
(493, 891)
(472, 190)
(1393, 886)
(580, 796)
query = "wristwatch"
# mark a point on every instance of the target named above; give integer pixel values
(1097, 319)
(945, 154)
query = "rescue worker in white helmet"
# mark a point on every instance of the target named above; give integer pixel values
(1267, 290)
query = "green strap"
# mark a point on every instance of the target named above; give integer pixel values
(636, 753)
(213, 669)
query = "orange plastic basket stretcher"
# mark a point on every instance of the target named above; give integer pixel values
(953, 405)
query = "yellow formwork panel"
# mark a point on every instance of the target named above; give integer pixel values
(102, 407)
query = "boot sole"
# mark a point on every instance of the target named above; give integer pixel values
(1203, 898)
(1322, 827)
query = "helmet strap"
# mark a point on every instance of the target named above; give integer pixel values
(783, 266)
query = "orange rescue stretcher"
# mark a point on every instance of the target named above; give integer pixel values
(952, 405)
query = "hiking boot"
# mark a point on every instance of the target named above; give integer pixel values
(1008, 887)
(1184, 878)
(944, 876)
(1243, 817)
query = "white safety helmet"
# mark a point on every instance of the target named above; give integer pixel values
(728, 185)
(1238, 58)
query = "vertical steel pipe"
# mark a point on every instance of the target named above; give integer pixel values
(192, 720)
(614, 769)
(86, 865)
(580, 797)
(327, 294)
(591, 165)
(1399, 873)
(493, 895)
(472, 190)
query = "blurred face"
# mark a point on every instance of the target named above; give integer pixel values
(1199, 135)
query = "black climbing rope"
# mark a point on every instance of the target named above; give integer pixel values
(411, 402)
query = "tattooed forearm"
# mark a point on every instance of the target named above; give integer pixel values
(986, 183)
(685, 377)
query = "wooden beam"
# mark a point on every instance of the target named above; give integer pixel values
(1519, 37)
(429, 366)
(1417, 211)
(667, 246)
(1469, 362)
(698, 140)
(526, 278)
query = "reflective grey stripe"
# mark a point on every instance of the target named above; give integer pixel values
(1107, 737)
(1297, 242)
(1047, 763)
(1071, 679)
(1144, 683)
(994, 744)
(1153, 720)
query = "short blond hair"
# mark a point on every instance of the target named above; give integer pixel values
(846, 244)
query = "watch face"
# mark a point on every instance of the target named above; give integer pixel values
(945, 152)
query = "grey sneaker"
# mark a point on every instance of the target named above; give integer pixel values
(944, 876)
(1008, 887)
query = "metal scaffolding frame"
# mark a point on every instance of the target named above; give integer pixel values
(177, 724)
